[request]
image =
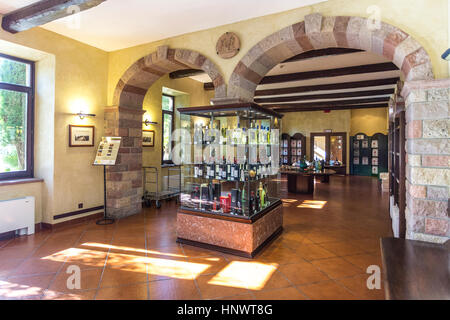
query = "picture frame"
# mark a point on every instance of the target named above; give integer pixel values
(148, 138)
(365, 144)
(374, 152)
(374, 143)
(356, 160)
(81, 135)
(365, 161)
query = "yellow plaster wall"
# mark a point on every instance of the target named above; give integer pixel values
(317, 121)
(369, 121)
(78, 71)
(425, 20)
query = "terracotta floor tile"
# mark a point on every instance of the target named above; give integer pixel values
(24, 287)
(214, 263)
(78, 295)
(328, 290)
(280, 255)
(302, 273)
(248, 296)
(124, 276)
(312, 252)
(290, 293)
(370, 245)
(90, 279)
(342, 248)
(7, 253)
(213, 291)
(364, 260)
(34, 266)
(132, 292)
(173, 289)
(7, 266)
(337, 268)
(358, 286)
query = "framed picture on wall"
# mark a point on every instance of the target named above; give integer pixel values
(365, 144)
(148, 138)
(374, 143)
(365, 161)
(374, 152)
(81, 136)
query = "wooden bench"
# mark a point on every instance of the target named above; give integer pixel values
(415, 270)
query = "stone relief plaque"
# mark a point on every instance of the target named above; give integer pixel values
(228, 45)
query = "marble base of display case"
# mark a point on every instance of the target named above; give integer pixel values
(232, 235)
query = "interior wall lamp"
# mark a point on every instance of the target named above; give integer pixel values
(148, 122)
(83, 115)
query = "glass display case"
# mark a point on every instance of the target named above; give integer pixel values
(230, 160)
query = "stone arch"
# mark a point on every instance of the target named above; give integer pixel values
(318, 32)
(135, 82)
(124, 119)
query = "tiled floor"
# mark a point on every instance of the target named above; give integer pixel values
(323, 253)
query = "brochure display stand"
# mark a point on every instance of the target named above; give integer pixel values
(107, 152)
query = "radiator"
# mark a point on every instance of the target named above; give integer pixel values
(16, 215)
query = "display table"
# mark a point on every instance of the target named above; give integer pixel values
(303, 182)
(342, 169)
(230, 234)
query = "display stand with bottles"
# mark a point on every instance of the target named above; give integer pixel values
(231, 179)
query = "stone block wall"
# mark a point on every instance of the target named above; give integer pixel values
(428, 159)
(124, 180)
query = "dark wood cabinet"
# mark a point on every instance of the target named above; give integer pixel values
(293, 148)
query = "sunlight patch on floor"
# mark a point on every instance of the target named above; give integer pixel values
(122, 248)
(10, 290)
(312, 204)
(248, 275)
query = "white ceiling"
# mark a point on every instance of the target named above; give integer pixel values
(118, 24)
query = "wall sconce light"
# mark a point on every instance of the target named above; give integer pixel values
(148, 122)
(84, 115)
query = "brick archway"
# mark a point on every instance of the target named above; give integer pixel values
(124, 119)
(318, 32)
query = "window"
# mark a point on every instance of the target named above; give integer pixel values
(16, 117)
(329, 146)
(168, 103)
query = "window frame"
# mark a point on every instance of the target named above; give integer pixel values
(172, 113)
(29, 172)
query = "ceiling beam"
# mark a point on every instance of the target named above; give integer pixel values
(324, 87)
(321, 53)
(337, 95)
(337, 107)
(208, 86)
(43, 12)
(185, 73)
(326, 103)
(316, 74)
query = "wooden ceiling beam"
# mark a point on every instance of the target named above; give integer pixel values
(208, 86)
(327, 87)
(316, 74)
(337, 107)
(43, 12)
(321, 53)
(337, 95)
(185, 73)
(326, 103)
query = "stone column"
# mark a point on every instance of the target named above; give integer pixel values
(428, 159)
(124, 180)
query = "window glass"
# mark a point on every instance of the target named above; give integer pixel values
(14, 72)
(336, 148)
(167, 132)
(13, 131)
(320, 148)
(167, 103)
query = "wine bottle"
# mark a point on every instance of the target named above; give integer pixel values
(262, 196)
(252, 203)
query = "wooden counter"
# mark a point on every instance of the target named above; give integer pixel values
(303, 182)
(415, 270)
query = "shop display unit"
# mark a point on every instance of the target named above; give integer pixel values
(230, 175)
(293, 148)
(368, 154)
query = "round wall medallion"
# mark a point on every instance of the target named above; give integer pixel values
(228, 45)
